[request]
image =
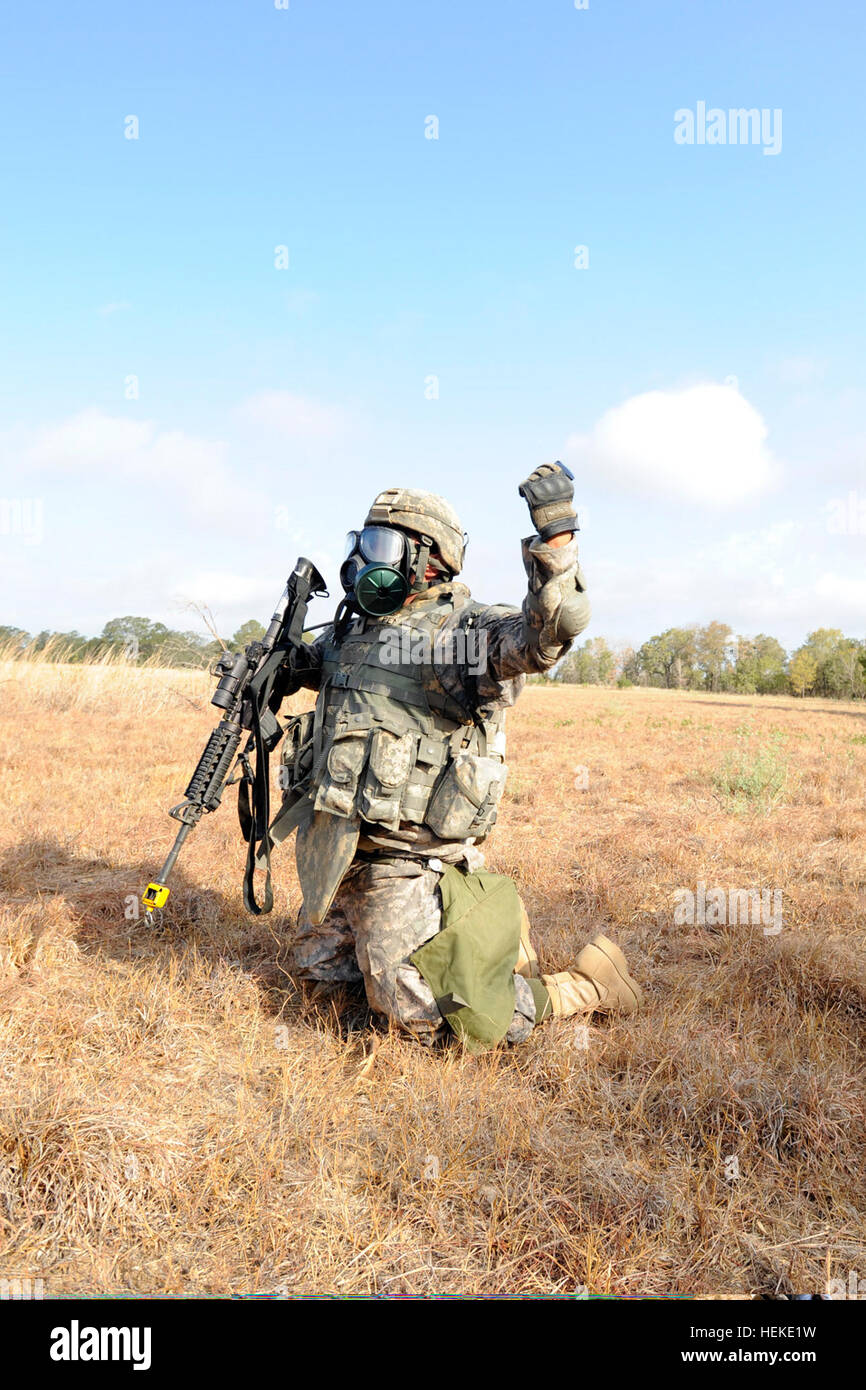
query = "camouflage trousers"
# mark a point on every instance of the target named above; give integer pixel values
(384, 910)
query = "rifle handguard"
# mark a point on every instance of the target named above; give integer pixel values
(213, 766)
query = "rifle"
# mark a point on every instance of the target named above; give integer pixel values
(251, 685)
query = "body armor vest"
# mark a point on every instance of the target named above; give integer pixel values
(395, 737)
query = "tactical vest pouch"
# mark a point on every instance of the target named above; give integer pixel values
(465, 799)
(392, 757)
(345, 763)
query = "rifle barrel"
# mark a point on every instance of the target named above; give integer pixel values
(175, 850)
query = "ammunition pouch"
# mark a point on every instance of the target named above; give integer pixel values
(466, 797)
(391, 760)
(344, 762)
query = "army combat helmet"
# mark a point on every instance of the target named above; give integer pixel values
(427, 515)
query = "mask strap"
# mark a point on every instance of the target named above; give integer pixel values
(420, 565)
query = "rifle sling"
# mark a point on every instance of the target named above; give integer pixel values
(254, 810)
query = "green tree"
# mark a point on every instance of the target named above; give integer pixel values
(182, 649)
(668, 659)
(137, 637)
(250, 631)
(803, 672)
(576, 668)
(605, 661)
(140, 638)
(760, 666)
(628, 667)
(713, 652)
(822, 645)
(74, 646)
(13, 637)
(844, 670)
(592, 663)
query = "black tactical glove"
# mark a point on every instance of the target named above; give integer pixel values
(550, 497)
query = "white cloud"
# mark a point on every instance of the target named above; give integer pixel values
(93, 445)
(90, 441)
(847, 594)
(778, 578)
(289, 416)
(704, 444)
(219, 588)
(757, 552)
(116, 307)
(717, 572)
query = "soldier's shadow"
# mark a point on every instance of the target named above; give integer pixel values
(104, 899)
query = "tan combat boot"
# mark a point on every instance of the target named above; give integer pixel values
(599, 983)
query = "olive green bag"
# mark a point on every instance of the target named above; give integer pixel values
(470, 964)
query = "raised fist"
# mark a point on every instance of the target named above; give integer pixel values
(549, 494)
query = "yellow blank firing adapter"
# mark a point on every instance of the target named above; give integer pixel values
(155, 895)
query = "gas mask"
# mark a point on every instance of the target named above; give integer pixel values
(379, 565)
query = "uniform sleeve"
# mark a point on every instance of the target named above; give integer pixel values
(555, 610)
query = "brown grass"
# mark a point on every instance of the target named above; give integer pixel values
(176, 1117)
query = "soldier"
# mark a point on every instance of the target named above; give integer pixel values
(393, 781)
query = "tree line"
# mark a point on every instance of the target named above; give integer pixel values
(135, 640)
(713, 657)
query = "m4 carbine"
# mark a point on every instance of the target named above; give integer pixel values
(251, 685)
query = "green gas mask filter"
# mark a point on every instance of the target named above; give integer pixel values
(380, 590)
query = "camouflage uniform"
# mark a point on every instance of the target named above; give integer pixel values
(387, 903)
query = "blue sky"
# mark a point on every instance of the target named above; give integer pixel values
(703, 374)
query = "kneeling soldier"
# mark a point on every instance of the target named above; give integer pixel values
(394, 779)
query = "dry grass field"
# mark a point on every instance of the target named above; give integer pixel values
(176, 1117)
